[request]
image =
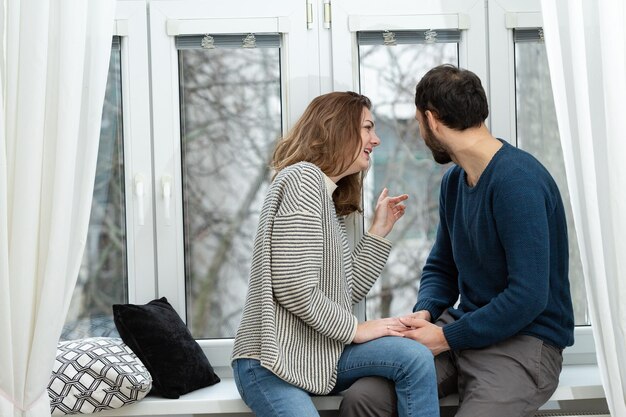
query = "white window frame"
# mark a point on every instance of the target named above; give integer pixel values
(131, 26)
(504, 16)
(351, 16)
(169, 18)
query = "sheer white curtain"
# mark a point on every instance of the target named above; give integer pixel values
(53, 67)
(586, 45)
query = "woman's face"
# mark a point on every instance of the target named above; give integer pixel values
(369, 141)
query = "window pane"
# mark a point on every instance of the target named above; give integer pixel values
(102, 280)
(403, 164)
(230, 118)
(537, 133)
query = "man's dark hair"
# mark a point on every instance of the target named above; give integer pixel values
(454, 95)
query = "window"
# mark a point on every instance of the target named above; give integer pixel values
(517, 69)
(226, 79)
(382, 49)
(230, 105)
(103, 277)
(538, 133)
(118, 262)
(389, 65)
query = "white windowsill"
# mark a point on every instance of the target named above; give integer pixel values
(577, 382)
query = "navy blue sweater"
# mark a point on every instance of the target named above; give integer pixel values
(502, 247)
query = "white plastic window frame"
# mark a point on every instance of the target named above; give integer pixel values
(351, 16)
(504, 16)
(131, 26)
(299, 84)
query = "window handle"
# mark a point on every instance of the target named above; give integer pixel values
(166, 183)
(139, 192)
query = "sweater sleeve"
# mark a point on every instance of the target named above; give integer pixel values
(368, 260)
(521, 214)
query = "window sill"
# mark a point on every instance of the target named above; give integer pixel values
(577, 382)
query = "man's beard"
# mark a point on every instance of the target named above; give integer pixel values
(439, 151)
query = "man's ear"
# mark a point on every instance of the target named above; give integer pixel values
(431, 119)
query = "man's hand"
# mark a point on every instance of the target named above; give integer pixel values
(422, 314)
(425, 332)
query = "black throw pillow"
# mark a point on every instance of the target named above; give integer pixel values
(162, 341)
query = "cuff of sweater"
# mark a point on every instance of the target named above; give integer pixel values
(430, 306)
(354, 328)
(456, 335)
(381, 239)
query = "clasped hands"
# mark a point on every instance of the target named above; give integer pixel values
(416, 326)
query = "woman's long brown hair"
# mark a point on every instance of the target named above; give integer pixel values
(328, 135)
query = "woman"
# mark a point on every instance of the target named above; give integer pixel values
(298, 335)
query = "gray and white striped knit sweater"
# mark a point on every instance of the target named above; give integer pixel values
(303, 282)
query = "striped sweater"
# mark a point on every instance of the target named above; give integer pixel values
(303, 282)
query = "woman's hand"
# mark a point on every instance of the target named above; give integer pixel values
(373, 329)
(388, 211)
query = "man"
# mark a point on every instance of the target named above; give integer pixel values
(494, 304)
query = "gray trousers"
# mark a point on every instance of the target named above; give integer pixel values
(512, 378)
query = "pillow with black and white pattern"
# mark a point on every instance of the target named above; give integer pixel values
(94, 374)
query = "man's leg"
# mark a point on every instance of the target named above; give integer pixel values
(369, 397)
(446, 364)
(511, 378)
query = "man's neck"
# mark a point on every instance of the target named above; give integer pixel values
(476, 148)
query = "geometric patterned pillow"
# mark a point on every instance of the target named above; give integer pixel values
(94, 374)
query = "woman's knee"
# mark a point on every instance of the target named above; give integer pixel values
(408, 350)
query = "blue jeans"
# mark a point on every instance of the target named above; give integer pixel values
(405, 362)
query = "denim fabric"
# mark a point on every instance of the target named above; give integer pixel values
(406, 362)
(268, 395)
